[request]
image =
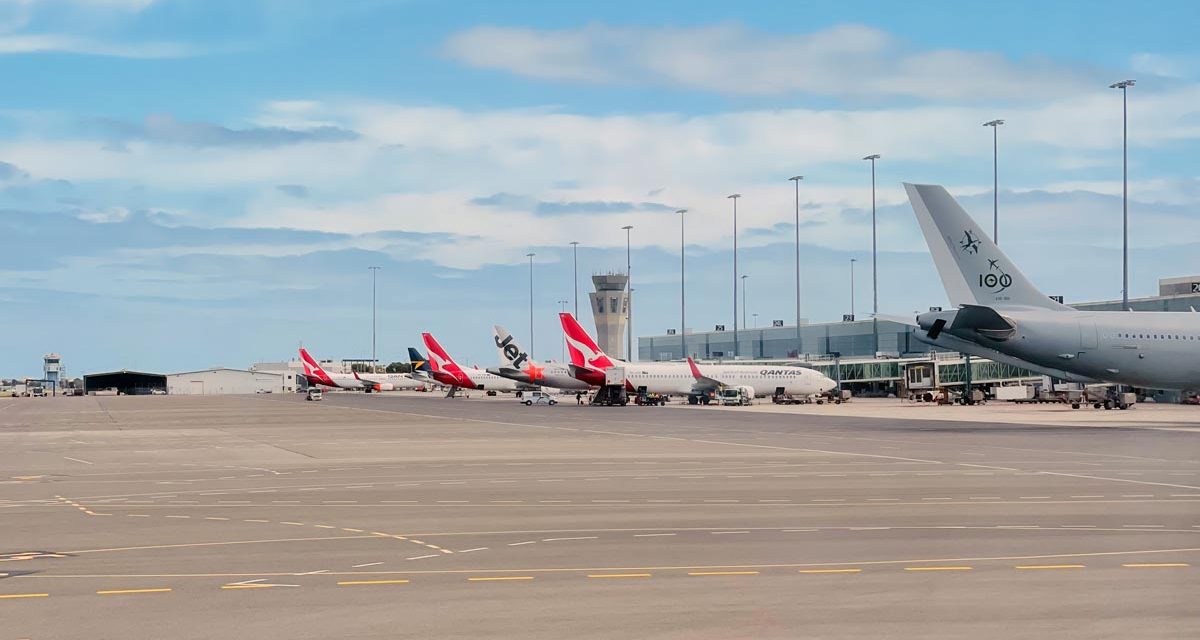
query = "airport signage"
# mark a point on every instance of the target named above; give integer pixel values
(670, 332)
(935, 308)
(777, 323)
(719, 327)
(847, 317)
(1058, 299)
(1196, 287)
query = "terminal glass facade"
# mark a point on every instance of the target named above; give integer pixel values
(863, 338)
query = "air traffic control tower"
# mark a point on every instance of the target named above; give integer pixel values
(610, 308)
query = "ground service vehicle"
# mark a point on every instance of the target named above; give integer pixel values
(314, 394)
(538, 397)
(737, 396)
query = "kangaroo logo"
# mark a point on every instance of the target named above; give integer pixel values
(514, 355)
(969, 243)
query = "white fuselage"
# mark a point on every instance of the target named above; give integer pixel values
(340, 381)
(390, 381)
(676, 378)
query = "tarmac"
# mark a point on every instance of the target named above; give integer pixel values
(409, 515)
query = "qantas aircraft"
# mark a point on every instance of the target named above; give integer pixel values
(367, 382)
(446, 371)
(588, 363)
(515, 364)
(1003, 317)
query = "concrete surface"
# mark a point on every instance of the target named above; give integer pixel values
(414, 516)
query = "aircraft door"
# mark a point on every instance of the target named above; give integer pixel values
(1088, 339)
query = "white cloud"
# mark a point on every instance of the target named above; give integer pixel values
(417, 169)
(59, 43)
(847, 61)
(1163, 65)
(85, 27)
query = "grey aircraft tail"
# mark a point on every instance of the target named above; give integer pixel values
(973, 269)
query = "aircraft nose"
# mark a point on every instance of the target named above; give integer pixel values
(827, 384)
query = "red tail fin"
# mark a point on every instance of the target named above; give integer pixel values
(313, 371)
(439, 360)
(584, 351)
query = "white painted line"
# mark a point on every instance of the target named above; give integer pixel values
(575, 538)
(651, 535)
(517, 544)
(77, 460)
(475, 549)
(369, 564)
(432, 555)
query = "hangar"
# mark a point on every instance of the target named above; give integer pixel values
(223, 381)
(125, 382)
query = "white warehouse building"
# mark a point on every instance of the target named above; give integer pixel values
(222, 381)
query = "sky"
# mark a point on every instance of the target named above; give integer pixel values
(187, 184)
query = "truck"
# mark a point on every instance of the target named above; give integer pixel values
(613, 392)
(739, 396)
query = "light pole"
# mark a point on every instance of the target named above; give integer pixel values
(563, 356)
(735, 197)
(374, 270)
(530, 256)
(995, 125)
(852, 261)
(629, 299)
(744, 325)
(682, 289)
(874, 258)
(575, 274)
(755, 316)
(1124, 87)
(797, 179)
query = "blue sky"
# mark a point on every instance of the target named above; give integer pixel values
(190, 184)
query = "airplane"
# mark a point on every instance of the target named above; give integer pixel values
(446, 371)
(1003, 317)
(515, 364)
(316, 375)
(588, 363)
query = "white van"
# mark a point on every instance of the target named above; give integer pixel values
(538, 397)
(314, 393)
